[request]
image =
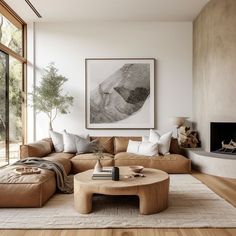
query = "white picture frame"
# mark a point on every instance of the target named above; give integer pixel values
(120, 93)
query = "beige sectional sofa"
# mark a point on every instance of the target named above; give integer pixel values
(35, 190)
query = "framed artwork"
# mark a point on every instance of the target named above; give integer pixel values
(120, 93)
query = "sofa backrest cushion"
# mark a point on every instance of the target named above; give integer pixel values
(121, 143)
(37, 149)
(112, 145)
(174, 146)
(106, 143)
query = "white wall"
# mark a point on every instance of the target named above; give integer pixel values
(68, 44)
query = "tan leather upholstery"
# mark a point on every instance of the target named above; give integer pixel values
(106, 143)
(121, 143)
(130, 159)
(25, 190)
(174, 146)
(65, 155)
(37, 149)
(85, 162)
(35, 190)
(65, 162)
(49, 140)
(172, 163)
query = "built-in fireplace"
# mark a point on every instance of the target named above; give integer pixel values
(223, 137)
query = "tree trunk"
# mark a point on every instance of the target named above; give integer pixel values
(50, 125)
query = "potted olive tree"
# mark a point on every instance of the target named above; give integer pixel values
(48, 97)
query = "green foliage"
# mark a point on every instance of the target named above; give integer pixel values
(2, 98)
(48, 97)
(11, 37)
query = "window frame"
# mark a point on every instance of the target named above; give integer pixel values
(15, 19)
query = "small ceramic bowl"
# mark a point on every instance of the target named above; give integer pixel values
(136, 169)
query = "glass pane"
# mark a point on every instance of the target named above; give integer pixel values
(15, 112)
(3, 101)
(10, 35)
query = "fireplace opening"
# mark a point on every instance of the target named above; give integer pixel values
(223, 137)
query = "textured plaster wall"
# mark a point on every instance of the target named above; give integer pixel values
(214, 66)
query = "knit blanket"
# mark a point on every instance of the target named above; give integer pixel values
(64, 182)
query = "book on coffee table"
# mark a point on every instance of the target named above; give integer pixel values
(106, 173)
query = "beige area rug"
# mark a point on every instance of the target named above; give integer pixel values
(192, 204)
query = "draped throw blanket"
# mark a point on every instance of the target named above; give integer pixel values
(64, 182)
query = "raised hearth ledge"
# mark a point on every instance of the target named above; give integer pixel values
(223, 165)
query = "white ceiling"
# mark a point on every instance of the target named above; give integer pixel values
(109, 10)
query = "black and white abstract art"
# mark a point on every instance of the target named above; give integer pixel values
(120, 93)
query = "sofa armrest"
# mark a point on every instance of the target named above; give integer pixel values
(37, 149)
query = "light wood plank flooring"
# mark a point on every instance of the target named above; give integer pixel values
(226, 188)
(122, 232)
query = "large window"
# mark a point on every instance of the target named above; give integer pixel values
(11, 36)
(12, 84)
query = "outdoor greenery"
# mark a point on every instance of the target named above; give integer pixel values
(11, 37)
(2, 97)
(48, 97)
(15, 99)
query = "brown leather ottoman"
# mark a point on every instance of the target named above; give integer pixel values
(25, 190)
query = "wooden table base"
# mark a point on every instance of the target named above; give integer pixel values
(153, 195)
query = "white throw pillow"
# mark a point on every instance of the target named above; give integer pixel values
(133, 146)
(69, 141)
(148, 149)
(57, 140)
(145, 138)
(163, 141)
(143, 148)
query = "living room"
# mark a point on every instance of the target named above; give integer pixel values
(117, 117)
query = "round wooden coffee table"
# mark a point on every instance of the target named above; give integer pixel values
(152, 190)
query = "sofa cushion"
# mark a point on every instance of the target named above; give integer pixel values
(162, 140)
(49, 140)
(121, 143)
(87, 161)
(174, 146)
(57, 140)
(143, 148)
(85, 145)
(61, 154)
(26, 190)
(106, 143)
(131, 159)
(172, 164)
(63, 161)
(37, 149)
(69, 141)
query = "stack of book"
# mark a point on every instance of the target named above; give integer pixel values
(106, 173)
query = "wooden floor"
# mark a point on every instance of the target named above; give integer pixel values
(226, 188)
(122, 232)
